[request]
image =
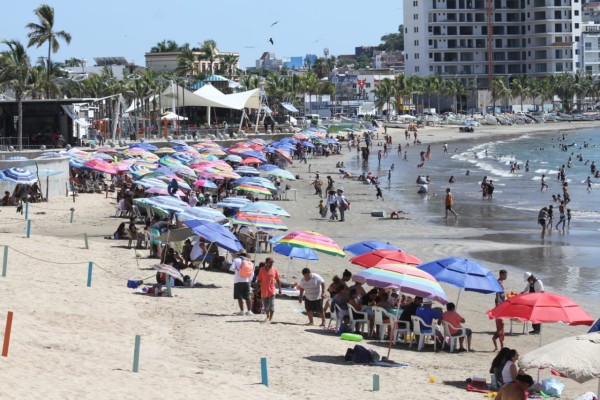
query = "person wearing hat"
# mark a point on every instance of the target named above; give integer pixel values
(241, 285)
(427, 313)
(533, 285)
(343, 203)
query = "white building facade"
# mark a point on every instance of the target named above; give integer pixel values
(528, 37)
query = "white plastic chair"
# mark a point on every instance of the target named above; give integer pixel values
(452, 339)
(402, 331)
(357, 318)
(338, 316)
(423, 332)
(379, 315)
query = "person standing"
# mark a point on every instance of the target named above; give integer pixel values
(500, 298)
(534, 285)
(542, 217)
(343, 203)
(268, 276)
(241, 281)
(332, 203)
(449, 201)
(312, 291)
(561, 215)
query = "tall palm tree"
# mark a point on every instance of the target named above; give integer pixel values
(43, 32)
(210, 53)
(384, 91)
(311, 85)
(186, 63)
(499, 91)
(518, 88)
(229, 65)
(166, 46)
(15, 72)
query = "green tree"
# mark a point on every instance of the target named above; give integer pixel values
(393, 41)
(166, 46)
(499, 91)
(15, 73)
(210, 53)
(45, 33)
(518, 88)
(186, 63)
(384, 93)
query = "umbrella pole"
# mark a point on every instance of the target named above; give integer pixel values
(458, 298)
(198, 271)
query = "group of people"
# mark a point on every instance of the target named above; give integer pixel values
(510, 380)
(22, 194)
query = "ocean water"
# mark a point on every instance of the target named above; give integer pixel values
(565, 259)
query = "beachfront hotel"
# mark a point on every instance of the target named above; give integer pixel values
(483, 39)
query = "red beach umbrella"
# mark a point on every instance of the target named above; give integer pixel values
(375, 257)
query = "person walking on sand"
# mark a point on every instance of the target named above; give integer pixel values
(343, 204)
(378, 194)
(241, 284)
(322, 209)
(312, 291)
(405, 155)
(449, 201)
(332, 204)
(500, 298)
(268, 276)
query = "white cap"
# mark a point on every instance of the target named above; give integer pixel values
(427, 302)
(526, 275)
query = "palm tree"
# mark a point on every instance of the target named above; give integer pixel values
(210, 53)
(384, 91)
(451, 87)
(228, 65)
(15, 72)
(44, 32)
(166, 46)
(499, 91)
(311, 85)
(186, 63)
(518, 88)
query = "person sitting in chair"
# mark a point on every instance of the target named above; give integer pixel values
(173, 258)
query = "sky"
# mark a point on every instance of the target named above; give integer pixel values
(129, 29)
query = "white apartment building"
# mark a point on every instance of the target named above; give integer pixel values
(528, 37)
(590, 39)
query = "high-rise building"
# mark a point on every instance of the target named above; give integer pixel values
(482, 39)
(590, 39)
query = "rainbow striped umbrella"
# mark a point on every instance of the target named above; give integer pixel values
(165, 150)
(406, 278)
(259, 220)
(169, 161)
(313, 240)
(205, 183)
(247, 187)
(138, 170)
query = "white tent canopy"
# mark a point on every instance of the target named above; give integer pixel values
(171, 116)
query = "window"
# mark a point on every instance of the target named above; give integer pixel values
(368, 85)
(415, 3)
(416, 56)
(415, 16)
(416, 30)
(576, 12)
(576, 25)
(416, 42)
(416, 69)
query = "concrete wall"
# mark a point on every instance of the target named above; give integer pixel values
(56, 183)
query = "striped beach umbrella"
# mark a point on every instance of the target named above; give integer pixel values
(205, 183)
(313, 240)
(251, 160)
(165, 151)
(101, 166)
(405, 278)
(251, 188)
(376, 257)
(259, 220)
(283, 174)
(265, 207)
(18, 176)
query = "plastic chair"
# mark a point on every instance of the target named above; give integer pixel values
(357, 318)
(452, 339)
(421, 329)
(379, 316)
(338, 316)
(402, 330)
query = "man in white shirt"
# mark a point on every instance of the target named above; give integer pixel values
(312, 287)
(241, 285)
(534, 285)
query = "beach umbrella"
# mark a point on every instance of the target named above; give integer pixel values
(295, 252)
(268, 167)
(313, 240)
(176, 142)
(183, 170)
(19, 176)
(101, 166)
(283, 174)
(251, 160)
(205, 183)
(259, 221)
(233, 202)
(201, 213)
(595, 327)
(284, 154)
(165, 150)
(233, 158)
(464, 274)
(376, 257)
(265, 207)
(144, 145)
(103, 156)
(215, 233)
(405, 278)
(163, 191)
(367, 246)
(575, 357)
(307, 144)
(246, 170)
(169, 270)
(151, 182)
(252, 188)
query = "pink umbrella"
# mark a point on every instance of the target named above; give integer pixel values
(163, 191)
(251, 160)
(101, 166)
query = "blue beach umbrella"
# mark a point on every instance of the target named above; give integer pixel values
(464, 274)
(368, 246)
(18, 176)
(265, 207)
(215, 233)
(268, 167)
(295, 252)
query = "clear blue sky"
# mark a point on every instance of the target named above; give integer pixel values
(130, 28)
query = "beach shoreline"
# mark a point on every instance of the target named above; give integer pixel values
(192, 343)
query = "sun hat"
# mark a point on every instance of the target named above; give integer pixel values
(526, 275)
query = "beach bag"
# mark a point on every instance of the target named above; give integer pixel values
(246, 269)
(553, 387)
(361, 355)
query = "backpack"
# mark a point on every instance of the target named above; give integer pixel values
(246, 269)
(361, 355)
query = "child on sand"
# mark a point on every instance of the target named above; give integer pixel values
(322, 209)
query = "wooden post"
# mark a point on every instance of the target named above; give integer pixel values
(136, 353)
(9, 318)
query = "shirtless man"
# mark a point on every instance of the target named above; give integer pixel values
(515, 390)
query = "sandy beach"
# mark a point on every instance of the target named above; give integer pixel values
(71, 341)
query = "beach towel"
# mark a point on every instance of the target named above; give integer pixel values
(390, 364)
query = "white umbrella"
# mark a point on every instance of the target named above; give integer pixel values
(575, 357)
